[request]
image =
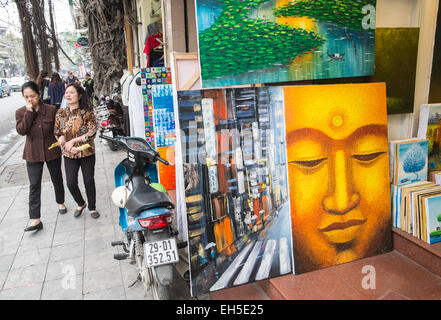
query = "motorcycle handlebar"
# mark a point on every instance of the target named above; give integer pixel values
(163, 161)
(117, 140)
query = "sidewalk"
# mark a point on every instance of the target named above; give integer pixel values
(71, 258)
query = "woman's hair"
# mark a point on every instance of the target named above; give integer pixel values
(84, 101)
(31, 85)
(43, 74)
(55, 78)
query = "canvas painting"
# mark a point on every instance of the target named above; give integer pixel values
(433, 219)
(235, 185)
(433, 135)
(338, 170)
(412, 162)
(435, 79)
(266, 41)
(397, 47)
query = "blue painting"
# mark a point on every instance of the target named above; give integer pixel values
(412, 162)
(266, 41)
(433, 218)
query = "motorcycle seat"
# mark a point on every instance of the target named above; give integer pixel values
(146, 197)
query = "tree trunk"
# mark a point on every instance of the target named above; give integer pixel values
(105, 22)
(30, 50)
(39, 24)
(54, 37)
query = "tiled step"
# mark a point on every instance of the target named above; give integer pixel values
(427, 255)
(396, 277)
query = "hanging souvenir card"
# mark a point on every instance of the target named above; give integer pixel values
(159, 119)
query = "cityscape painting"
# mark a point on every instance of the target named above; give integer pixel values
(235, 182)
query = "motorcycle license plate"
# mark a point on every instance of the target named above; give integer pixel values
(160, 252)
(108, 133)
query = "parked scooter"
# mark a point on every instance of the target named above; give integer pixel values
(110, 120)
(146, 213)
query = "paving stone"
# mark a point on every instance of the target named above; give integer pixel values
(63, 289)
(98, 245)
(67, 251)
(116, 293)
(25, 277)
(99, 232)
(69, 225)
(102, 279)
(68, 237)
(31, 258)
(59, 269)
(22, 293)
(3, 276)
(6, 262)
(103, 260)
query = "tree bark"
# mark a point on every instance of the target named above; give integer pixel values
(105, 22)
(39, 24)
(30, 49)
(54, 37)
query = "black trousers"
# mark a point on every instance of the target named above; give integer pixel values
(35, 173)
(87, 165)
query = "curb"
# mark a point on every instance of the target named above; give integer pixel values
(11, 152)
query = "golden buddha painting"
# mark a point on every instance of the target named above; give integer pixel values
(338, 171)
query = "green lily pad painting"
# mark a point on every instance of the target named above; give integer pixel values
(264, 41)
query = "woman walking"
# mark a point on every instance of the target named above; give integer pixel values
(36, 122)
(76, 126)
(56, 90)
(43, 83)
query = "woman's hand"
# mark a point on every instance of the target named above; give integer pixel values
(62, 140)
(74, 150)
(69, 145)
(29, 107)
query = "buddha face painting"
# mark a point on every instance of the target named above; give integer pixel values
(338, 168)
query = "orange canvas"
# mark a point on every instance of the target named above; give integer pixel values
(338, 172)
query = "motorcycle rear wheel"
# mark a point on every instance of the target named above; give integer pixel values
(159, 291)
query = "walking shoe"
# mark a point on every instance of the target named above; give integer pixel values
(95, 214)
(79, 212)
(37, 227)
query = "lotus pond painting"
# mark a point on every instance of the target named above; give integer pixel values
(266, 41)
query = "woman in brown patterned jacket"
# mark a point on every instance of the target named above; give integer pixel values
(76, 126)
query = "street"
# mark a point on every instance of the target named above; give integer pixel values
(8, 134)
(267, 256)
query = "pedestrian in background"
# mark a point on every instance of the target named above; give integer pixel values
(75, 126)
(88, 85)
(71, 79)
(56, 90)
(43, 83)
(36, 121)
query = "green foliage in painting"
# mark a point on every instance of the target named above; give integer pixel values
(346, 13)
(235, 43)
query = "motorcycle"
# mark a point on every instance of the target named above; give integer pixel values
(110, 118)
(146, 213)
